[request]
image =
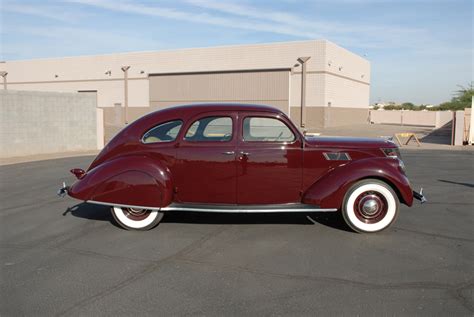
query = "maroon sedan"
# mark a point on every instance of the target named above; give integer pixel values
(241, 158)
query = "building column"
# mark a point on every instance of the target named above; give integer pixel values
(303, 61)
(125, 101)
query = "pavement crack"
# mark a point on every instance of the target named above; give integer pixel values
(145, 271)
(328, 279)
(464, 300)
(435, 235)
(454, 290)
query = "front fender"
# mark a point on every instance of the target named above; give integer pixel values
(329, 190)
(130, 180)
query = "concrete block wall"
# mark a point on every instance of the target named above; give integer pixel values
(435, 119)
(34, 122)
(442, 118)
(459, 128)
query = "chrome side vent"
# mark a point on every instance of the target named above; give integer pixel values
(337, 156)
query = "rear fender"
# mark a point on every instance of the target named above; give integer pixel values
(130, 180)
(329, 190)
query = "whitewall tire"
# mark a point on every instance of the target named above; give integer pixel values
(135, 218)
(370, 205)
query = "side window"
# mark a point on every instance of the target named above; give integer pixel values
(262, 129)
(164, 132)
(217, 129)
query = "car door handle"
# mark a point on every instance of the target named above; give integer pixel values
(229, 153)
(244, 153)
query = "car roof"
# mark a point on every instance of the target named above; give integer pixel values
(190, 110)
(204, 107)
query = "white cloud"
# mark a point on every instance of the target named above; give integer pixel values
(59, 41)
(328, 28)
(53, 12)
(202, 18)
(241, 16)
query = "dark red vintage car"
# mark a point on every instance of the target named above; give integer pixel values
(241, 158)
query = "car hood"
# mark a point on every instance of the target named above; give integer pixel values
(349, 142)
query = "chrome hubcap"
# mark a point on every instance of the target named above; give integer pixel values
(135, 213)
(370, 206)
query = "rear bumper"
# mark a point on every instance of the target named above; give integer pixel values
(419, 196)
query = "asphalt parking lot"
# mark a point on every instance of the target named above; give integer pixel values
(61, 257)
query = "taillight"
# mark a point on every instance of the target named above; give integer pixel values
(78, 172)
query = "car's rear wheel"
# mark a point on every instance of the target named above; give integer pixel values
(136, 218)
(370, 205)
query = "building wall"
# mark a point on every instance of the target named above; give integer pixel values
(345, 93)
(318, 118)
(109, 92)
(315, 89)
(88, 72)
(268, 87)
(314, 118)
(334, 74)
(46, 122)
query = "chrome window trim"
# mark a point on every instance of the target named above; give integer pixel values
(212, 141)
(156, 126)
(326, 156)
(295, 138)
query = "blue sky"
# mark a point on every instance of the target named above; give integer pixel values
(419, 50)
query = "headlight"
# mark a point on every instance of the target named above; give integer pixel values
(392, 152)
(401, 165)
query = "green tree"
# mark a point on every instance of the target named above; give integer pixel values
(408, 106)
(462, 99)
(391, 106)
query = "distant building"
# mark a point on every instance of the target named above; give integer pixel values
(336, 91)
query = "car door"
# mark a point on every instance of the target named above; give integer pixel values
(269, 160)
(205, 171)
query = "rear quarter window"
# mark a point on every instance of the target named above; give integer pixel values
(163, 132)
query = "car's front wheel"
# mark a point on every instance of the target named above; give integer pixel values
(136, 218)
(370, 205)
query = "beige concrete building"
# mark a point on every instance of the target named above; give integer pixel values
(336, 81)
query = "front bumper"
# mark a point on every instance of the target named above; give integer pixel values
(419, 196)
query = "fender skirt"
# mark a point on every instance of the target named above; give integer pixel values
(131, 180)
(329, 190)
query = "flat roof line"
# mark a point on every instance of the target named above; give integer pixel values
(222, 71)
(171, 50)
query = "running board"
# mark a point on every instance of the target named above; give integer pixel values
(246, 208)
(227, 208)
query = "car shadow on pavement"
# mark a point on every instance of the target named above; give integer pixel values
(456, 183)
(333, 219)
(91, 212)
